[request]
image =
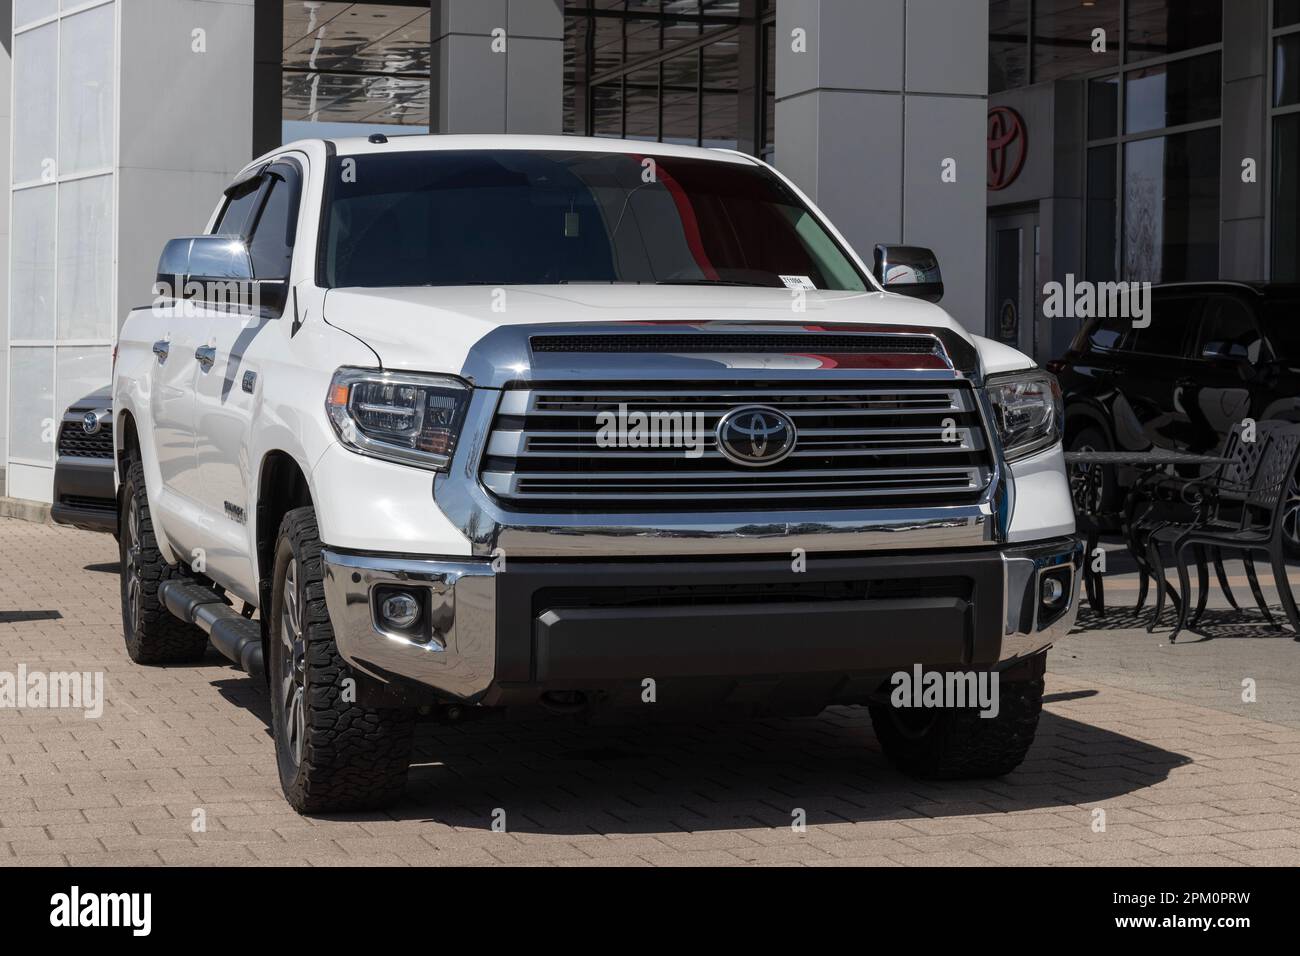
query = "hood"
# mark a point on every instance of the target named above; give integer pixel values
(433, 329)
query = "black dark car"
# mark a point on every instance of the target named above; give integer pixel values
(1213, 355)
(84, 495)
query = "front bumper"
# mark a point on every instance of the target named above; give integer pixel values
(748, 628)
(84, 494)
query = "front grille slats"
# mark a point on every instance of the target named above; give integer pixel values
(75, 443)
(872, 446)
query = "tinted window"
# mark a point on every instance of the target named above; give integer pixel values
(234, 219)
(273, 236)
(515, 217)
(1282, 323)
(1167, 332)
(1229, 331)
(1108, 333)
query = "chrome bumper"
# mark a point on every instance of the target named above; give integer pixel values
(461, 661)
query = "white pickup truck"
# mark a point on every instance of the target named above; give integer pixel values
(451, 425)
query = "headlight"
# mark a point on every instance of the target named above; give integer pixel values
(398, 416)
(1027, 411)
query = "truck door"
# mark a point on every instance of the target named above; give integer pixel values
(238, 344)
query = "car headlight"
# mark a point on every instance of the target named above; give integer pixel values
(405, 417)
(1027, 411)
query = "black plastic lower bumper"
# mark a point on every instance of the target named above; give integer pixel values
(84, 494)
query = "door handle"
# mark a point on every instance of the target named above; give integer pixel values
(205, 355)
(161, 348)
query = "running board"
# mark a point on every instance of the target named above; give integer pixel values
(234, 635)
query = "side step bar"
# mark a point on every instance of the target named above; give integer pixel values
(231, 633)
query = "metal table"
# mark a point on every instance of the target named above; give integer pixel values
(1086, 489)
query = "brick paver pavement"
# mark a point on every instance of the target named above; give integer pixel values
(1155, 736)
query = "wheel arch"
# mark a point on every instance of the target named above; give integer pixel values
(282, 485)
(1081, 415)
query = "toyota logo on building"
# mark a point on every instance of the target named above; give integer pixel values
(1008, 147)
(756, 435)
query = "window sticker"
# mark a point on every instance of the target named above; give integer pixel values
(798, 282)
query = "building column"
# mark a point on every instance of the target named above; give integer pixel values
(498, 66)
(874, 103)
(1246, 50)
(111, 159)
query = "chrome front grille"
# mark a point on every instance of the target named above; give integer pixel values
(870, 445)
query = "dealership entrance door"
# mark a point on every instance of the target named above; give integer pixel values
(1013, 279)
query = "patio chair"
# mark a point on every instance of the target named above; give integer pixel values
(1162, 503)
(1259, 526)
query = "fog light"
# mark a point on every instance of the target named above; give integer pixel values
(1053, 591)
(400, 611)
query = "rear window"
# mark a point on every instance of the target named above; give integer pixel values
(1282, 323)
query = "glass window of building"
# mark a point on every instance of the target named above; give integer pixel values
(354, 68)
(1286, 141)
(1161, 27)
(1073, 39)
(692, 72)
(1008, 44)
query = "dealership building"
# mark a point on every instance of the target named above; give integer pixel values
(1026, 141)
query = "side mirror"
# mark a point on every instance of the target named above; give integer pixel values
(217, 270)
(909, 270)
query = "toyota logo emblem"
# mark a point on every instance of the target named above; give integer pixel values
(1008, 147)
(756, 435)
(91, 423)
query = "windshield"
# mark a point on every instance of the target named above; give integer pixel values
(516, 217)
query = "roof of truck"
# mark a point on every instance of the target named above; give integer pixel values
(359, 146)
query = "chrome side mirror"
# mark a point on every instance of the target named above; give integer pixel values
(909, 270)
(217, 270)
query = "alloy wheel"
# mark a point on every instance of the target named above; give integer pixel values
(293, 669)
(134, 585)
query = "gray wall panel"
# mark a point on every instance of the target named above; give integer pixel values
(948, 217)
(947, 48)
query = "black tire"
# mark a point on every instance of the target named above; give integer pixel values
(153, 635)
(1099, 483)
(333, 755)
(1291, 522)
(951, 744)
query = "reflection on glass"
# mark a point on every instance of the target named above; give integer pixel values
(1103, 108)
(682, 99)
(366, 64)
(1008, 44)
(1185, 91)
(1160, 27)
(1171, 207)
(1286, 71)
(1102, 214)
(607, 109)
(641, 103)
(1286, 198)
(1065, 38)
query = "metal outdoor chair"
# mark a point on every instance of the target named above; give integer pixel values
(1164, 506)
(1240, 508)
